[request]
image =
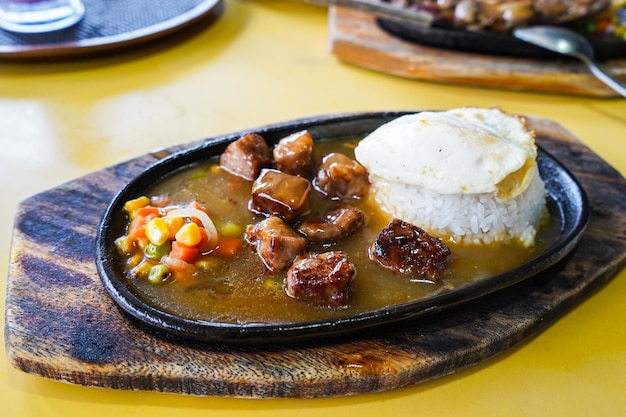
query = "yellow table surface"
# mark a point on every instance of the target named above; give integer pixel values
(263, 62)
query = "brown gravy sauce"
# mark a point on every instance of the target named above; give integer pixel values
(241, 290)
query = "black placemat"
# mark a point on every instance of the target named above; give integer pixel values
(109, 24)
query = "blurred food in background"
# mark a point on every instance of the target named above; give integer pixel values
(505, 15)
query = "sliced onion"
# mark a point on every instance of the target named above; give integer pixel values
(178, 265)
(207, 223)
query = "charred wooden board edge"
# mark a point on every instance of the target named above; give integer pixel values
(356, 38)
(91, 343)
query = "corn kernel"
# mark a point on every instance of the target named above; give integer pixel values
(124, 245)
(271, 284)
(189, 234)
(174, 224)
(142, 243)
(134, 260)
(157, 231)
(132, 205)
(142, 270)
(207, 264)
(157, 273)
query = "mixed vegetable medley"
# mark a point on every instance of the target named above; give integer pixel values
(172, 241)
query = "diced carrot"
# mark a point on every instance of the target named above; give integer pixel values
(603, 25)
(204, 237)
(205, 244)
(227, 246)
(196, 206)
(147, 211)
(184, 252)
(137, 226)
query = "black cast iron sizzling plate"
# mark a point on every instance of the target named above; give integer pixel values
(444, 36)
(563, 189)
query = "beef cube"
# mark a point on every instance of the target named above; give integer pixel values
(294, 154)
(322, 279)
(334, 225)
(246, 156)
(340, 176)
(409, 250)
(275, 242)
(275, 193)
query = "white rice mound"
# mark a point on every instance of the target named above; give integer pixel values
(465, 218)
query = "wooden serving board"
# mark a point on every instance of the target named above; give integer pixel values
(356, 38)
(62, 325)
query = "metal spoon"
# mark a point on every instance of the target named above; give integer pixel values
(568, 42)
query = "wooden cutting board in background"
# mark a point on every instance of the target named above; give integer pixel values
(62, 325)
(357, 39)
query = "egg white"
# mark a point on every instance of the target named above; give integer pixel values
(466, 150)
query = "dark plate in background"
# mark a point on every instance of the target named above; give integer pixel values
(443, 36)
(111, 26)
(566, 195)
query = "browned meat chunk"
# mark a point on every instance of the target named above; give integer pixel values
(279, 194)
(561, 11)
(409, 250)
(340, 176)
(246, 156)
(276, 243)
(321, 278)
(294, 154)
(504, 15)
(334, 225)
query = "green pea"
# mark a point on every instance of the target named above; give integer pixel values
(231, 229)
(158, 273)
(198, 173)
(157, 251)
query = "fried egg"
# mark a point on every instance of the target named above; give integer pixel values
(466, 150)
